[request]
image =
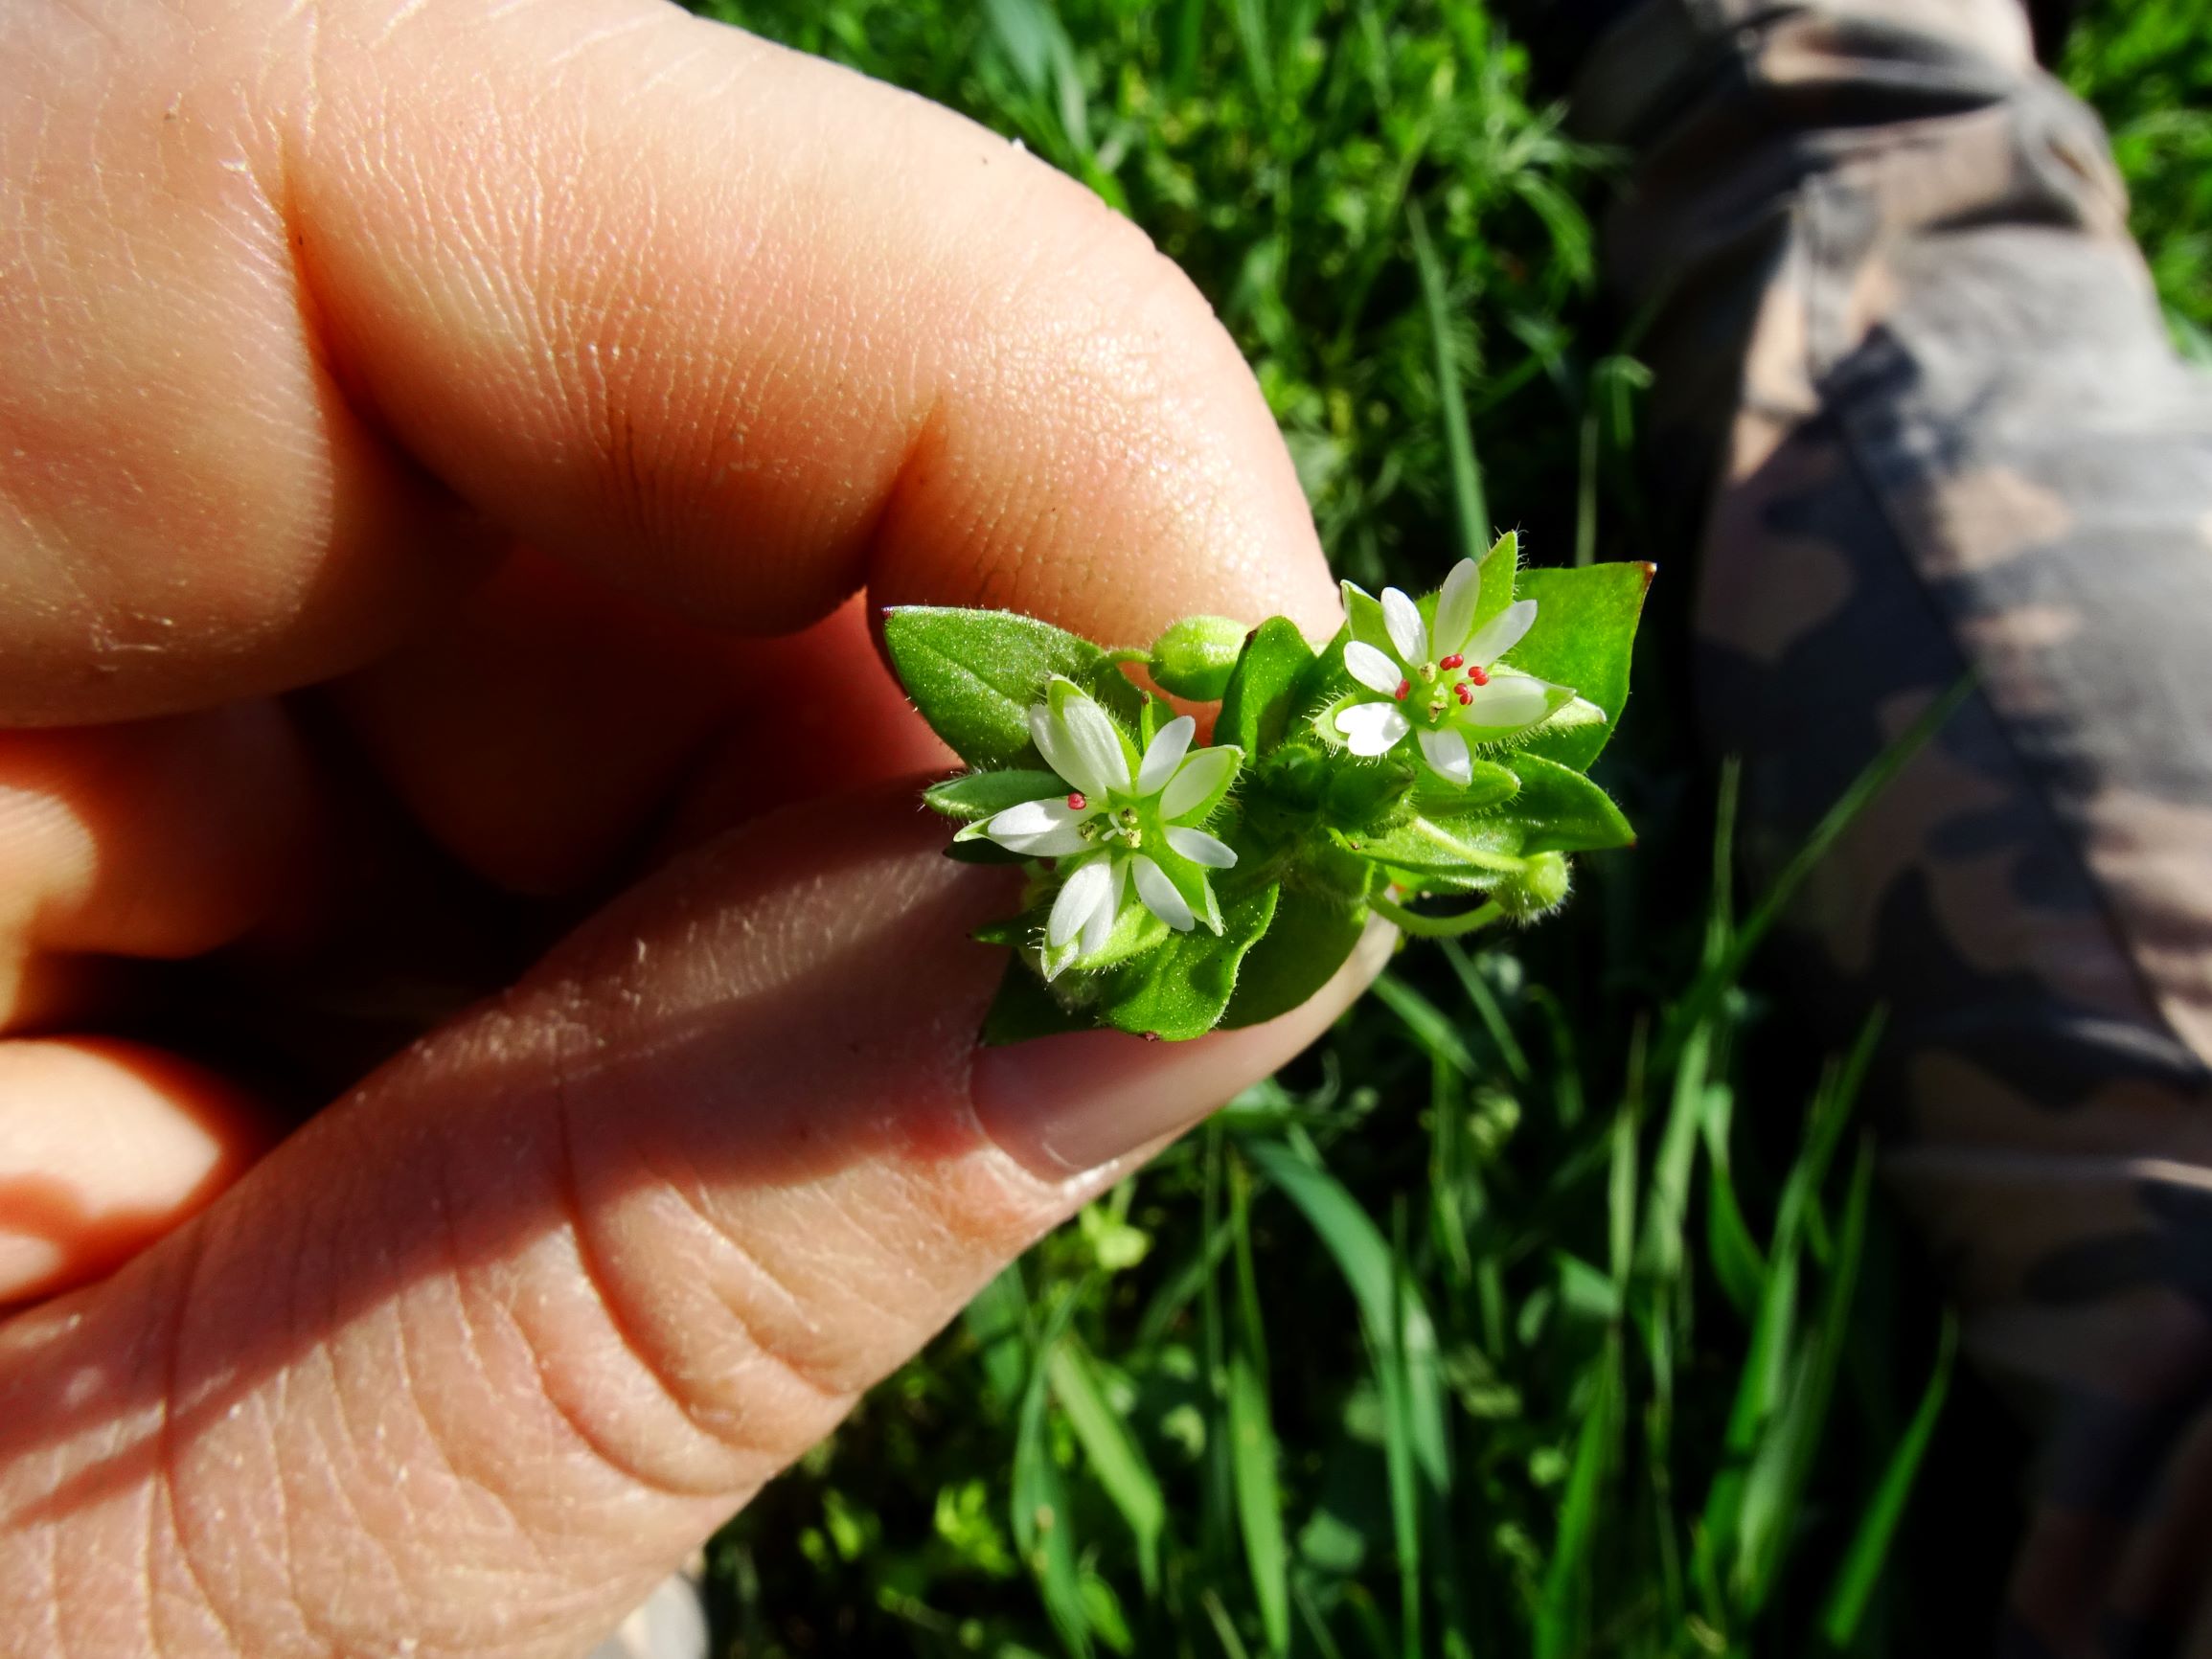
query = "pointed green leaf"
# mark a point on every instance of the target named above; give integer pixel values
(1179, 988)
(975, 674)
(1561, 810)
(1584, 637)
(1317, 922)
(1255, 702)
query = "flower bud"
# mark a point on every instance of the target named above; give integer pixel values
(1193, 658)
(1539, 887)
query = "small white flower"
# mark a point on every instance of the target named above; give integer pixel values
(1118, 826)
(1447, 690)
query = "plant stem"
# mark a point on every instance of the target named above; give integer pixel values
(1436, 927)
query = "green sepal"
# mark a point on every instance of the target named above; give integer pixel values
(1488, 785)
(976, 796)
(1500, 571)
(963, 848)
(1364, 618)
(1584, 637)
(1026, 1008)
(975, 675)
(1360, 793)
(1256, 701)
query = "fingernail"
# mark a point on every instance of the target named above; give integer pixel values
(1064, 1105)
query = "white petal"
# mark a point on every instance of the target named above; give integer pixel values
(1164, 754)
(1455, 607)
(1501, 633)
(1508, 703)
(1403, 617)
(1200, 847)
(1372, 668)
(1446, 752)
(1202, 774)
(1079, 741)
(1041, 828)
(1047, 844)
(1034, 818)
(1099, 928)
(1372, 728)
(1082, 893)
(1159, 893)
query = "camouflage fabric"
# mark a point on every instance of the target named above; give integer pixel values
(1915, 394)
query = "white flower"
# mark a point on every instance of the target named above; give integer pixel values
(1118, 824)
(1447, 690)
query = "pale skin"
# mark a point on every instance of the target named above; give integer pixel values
(556, 385)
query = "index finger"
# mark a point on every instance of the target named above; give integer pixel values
(732, 326)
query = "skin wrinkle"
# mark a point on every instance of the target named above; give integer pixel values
(165, 1476)
(463, 1314)
(578, 1229)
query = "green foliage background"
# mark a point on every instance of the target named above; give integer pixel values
(1542, 1309)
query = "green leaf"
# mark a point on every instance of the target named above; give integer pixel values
(1562, 811)
(1584, 637)
(1317, 922)
(974, 796)
(975, 674)
(1196, 658)
(1478, 846)
(1256, 700)
(1178, 989)
(1025, 1007)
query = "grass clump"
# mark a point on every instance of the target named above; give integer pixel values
(1535, 1312)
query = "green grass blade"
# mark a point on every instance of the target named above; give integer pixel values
(1487, 1009)
(1775, 1493)
(1864, 1562)
(1427, 1022)
(1581, 1512)
(1878, 776)
(1043, 1523)
(1112, 1452)
(1254, 1459)
(1470, 507)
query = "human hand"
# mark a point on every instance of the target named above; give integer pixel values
(510, 374)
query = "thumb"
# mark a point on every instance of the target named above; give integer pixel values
(490, 1345)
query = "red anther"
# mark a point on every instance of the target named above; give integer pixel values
(1479, 676)
(1452, 661)
(1076, 802)
(1404, 687)
(1465, 691)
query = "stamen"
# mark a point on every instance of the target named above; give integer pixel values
(1479, 675)
(1465, 692)
(1426, 671)
(1076, 802)
(1404, 687)
(1452, 661)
